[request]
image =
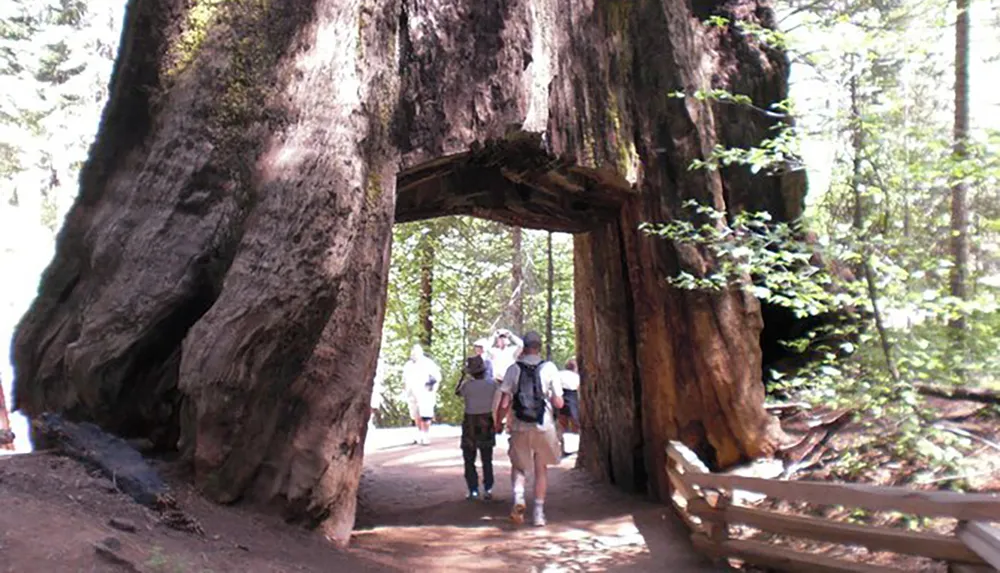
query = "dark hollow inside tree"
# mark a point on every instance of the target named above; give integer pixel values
(219, 285)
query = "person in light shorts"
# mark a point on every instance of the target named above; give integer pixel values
(533, 445)
(420, 384)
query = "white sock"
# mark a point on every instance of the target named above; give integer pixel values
(519, 494)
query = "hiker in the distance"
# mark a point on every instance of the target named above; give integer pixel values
(505, 348)
(478, 434)
(569, 414)
(420, 383)
(479, 349)
(503, 351)
(378, 390)
(531, 390)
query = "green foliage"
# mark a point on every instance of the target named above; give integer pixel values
(55, 62)
(773, 263)
(875, 82)
(472, 295)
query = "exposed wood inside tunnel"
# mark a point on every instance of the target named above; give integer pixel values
(513, 181)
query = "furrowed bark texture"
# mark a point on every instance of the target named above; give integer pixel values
(694, 368)
(219, 285)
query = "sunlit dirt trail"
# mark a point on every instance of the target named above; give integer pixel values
(413, 515)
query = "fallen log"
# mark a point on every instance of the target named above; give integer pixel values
(113, 456)
(118, 461)
(957, 393)
(820, 429)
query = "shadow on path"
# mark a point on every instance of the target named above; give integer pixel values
(412, 514)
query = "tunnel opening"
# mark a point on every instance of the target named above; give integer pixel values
(456, 219)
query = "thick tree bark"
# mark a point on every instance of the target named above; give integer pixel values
(219, 285)
(657, 362)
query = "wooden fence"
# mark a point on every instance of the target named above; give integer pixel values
(705, 502)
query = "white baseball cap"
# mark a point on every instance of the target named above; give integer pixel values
(482, 343)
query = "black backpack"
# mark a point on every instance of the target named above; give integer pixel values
(529, 397)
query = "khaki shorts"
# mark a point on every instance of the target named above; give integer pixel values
(525, 445)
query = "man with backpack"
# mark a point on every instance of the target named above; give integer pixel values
(532, 391)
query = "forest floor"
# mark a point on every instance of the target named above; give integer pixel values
(56, 516)
(857, 453)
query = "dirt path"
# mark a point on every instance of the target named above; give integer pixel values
(54, 515)
(412, 514)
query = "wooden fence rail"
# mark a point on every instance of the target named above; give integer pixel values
(705, 503)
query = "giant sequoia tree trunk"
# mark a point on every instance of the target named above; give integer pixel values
(220, 283)
(658, 362)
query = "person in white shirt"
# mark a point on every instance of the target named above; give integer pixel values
(378, 392)
(532, 391)
(421, 377)
(504, 350)
(569, 414)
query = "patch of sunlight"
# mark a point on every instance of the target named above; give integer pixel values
(26, 247)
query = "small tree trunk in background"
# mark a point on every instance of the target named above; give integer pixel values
(425, 251)
(517, 276)
(960, 188)
(548, 298)
(858, 142)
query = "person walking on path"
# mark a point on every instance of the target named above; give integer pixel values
(378, 393)
(478, 434)
(420, 383)
(479, 349)
(569, 414)
(531, 390)
(504, 350)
